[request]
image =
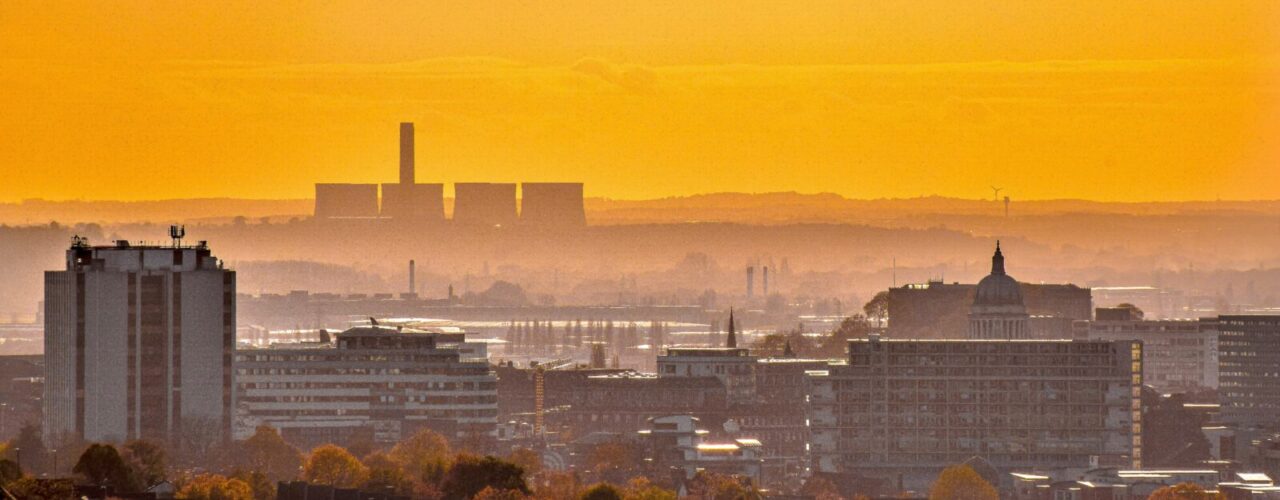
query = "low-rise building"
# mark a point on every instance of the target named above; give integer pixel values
(392, 381)
(676, 443)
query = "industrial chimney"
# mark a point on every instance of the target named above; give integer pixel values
(751, 281)
(406, 153)
(766, 281)
(412, 274)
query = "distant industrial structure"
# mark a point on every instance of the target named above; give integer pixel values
(476, 204)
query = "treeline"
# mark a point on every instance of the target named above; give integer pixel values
(424, 466)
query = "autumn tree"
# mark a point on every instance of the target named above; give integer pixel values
(262, 488)
(216, 487)
(1184, 491)
(614, 461)
(385, 474)
(820, 488)
(491, 493)
(713, 486)
(425, 456)
(602, 491)
(641, 488)
(32, 488)
(527, 459)
(961, 482)
(266, 451)
(335, 466)
(102, 465)
(470, 474)
(556, 485)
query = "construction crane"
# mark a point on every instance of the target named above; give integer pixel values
(539, 386)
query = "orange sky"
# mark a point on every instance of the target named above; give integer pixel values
(1108, 100)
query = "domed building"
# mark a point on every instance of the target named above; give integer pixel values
(998, 311)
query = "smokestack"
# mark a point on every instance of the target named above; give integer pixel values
(766, 281)
(406, 153)
(412, 274)
(751, 281)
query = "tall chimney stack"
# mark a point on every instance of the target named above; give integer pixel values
(751, 281)
(412, 274)
(766, 281)
(406, 153)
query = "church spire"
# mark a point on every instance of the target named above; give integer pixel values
(997, 261)
(732, 341)
(786, 350)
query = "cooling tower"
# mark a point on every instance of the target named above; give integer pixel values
(416, 202)
(552, 204)
(484, 204)
(346, 200)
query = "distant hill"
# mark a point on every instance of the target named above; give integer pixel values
(747, 208)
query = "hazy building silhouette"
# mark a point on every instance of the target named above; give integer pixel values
(1180, 355)
(484, 204)
(552, 204)
(413, 202)
(138, 343)
(943, 310)
(1248, 373)
(346, 200)
(913, 407)
(997, 311)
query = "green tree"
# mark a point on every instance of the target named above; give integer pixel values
(267, 452)
(602, 491)
(101, 464)
(470, 474)
(961, 482)
(335, 466)
(146, 461)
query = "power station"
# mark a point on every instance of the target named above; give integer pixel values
(476, 204)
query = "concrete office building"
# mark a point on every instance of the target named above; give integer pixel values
(916, 406)
(337, 201)
(484, 204)
(558, 204)
(392, 381)
(1179, 355)
(1249, 371)
(138, 343)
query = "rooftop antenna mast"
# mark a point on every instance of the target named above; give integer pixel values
(176, 232)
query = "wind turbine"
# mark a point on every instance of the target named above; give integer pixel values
(996, 193)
